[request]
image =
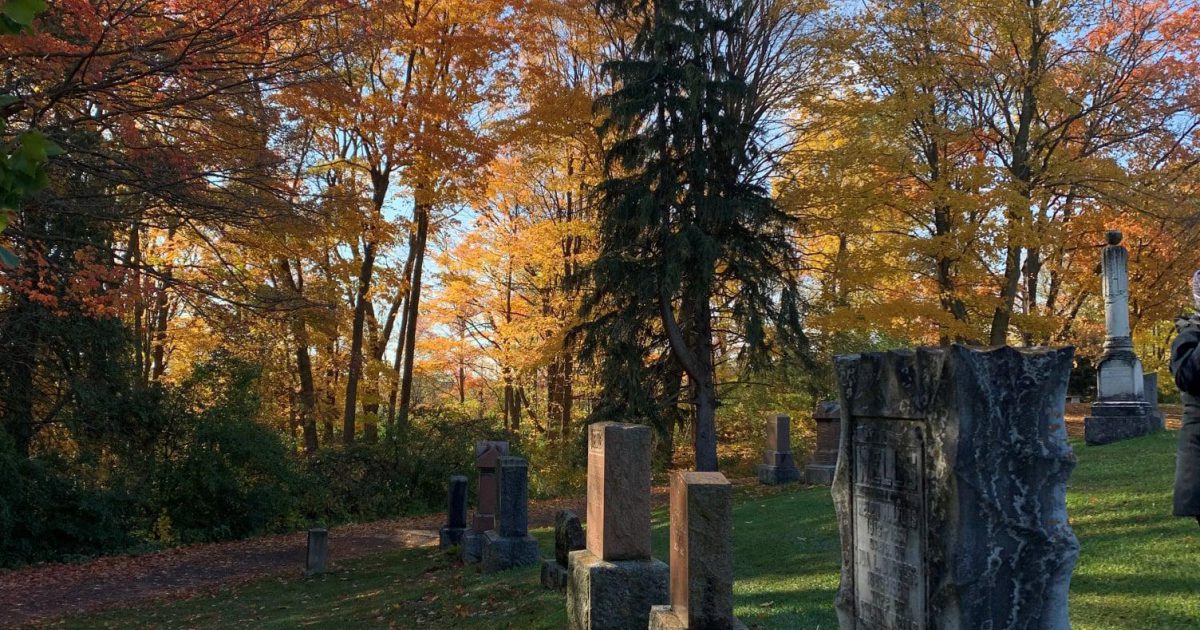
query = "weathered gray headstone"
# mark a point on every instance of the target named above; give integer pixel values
(509, 545)
(701, 556)
(1151, 396)
(828, 418)
(487, 454)
(1120, 410)
(316, 558)
(613, 582)
(950, 490)
(456, 513)
(779, 465)
(568, 537)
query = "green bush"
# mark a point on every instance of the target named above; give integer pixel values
(405, 473)
(228, 476)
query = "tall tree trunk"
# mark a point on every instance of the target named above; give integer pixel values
(412, 308)
(20, 347)
(697, 361)
(162, 317)
(706, 392)
(398, 363)
(354, 374)
(299, 330)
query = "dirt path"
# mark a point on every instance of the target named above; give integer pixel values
(43, 593)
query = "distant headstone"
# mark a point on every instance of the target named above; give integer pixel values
(509, 545)
(779, 465)
(950, 490)
(1120, 410)
(487, 454)
(1151, 396)
(568, 537)
(316, 558)
(701, 555)
(456, 513)
(613, 582)
(828, 418)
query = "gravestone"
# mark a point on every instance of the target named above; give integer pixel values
(456, 513)
(568, 537)
(820, 468)
(613, 583)
(950, 490)
(509, 545)
(1151, 396)
(316, 557)
(1120, 410)
(487, 454)
(701, 556)
(779, 465)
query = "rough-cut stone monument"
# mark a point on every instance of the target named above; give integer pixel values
(779, 465)
(509, 545)
(613, 582)
(487, 453)
(568, 537)
(828, 418)
(1120, 410)
(456, 513)
(701, 555)
(316, 557)
(950, 490)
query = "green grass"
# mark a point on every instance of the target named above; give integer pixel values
(1139, 568)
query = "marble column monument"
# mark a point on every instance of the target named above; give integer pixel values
(1120, 411)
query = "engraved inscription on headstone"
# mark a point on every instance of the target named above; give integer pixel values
(889, 524)
(950, 490)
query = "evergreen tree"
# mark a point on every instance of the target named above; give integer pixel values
(687, 233)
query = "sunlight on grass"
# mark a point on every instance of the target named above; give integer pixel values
(1139, 568)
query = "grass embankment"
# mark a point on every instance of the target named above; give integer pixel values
(1139, 568)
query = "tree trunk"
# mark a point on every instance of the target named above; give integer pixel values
(412, 309)
(308, 389)
(706, 392)
(20, 347)
(354, 374)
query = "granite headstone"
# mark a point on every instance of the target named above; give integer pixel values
(778, 465)
(950, 490)
(613, 583)
(487, 454)
(568, 537)
(828, 420)
(456, 513)
(316, 556)
(509, 545)
(701, 556)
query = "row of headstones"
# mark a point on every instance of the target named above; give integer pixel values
(498, 537)
(949, 488)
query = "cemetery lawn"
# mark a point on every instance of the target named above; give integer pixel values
(1139, 568)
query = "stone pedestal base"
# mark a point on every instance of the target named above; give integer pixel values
(1115, 421)
(502, 553)
(554, 575)
(819, 475)
(613, 595)
(664, 618)
(450, 536)
(775, 475)
(472, 547)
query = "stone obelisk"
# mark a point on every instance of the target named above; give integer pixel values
(1120, 410)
